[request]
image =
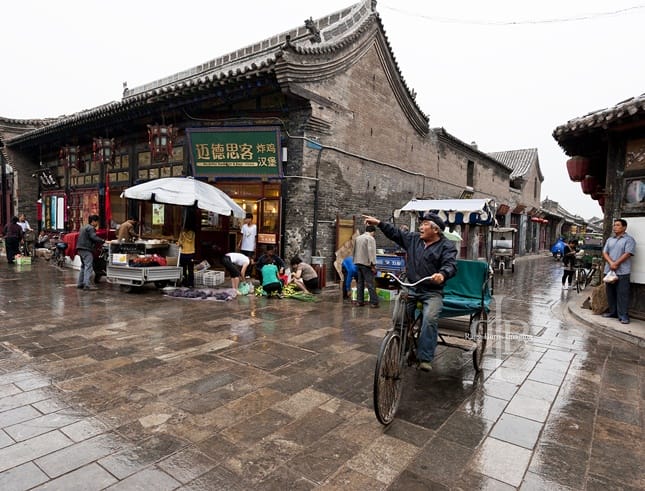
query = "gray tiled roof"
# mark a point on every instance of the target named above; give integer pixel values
(261, 56)
(630, 108)
(519, 160)
(336, 31)
(443, 134)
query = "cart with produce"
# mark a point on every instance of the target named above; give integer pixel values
(133, 264)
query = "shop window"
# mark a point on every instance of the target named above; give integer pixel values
(269, 217)
(160, 221)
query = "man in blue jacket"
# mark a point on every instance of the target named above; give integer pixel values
(431, 254)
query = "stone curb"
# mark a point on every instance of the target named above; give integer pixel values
(637, 338)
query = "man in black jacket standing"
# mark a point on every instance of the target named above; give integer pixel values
(87, 240)
(431, 254)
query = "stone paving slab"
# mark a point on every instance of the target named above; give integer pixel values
(106, 390)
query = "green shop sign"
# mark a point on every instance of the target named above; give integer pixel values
(235, 152)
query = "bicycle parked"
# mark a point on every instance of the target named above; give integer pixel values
(582, 277)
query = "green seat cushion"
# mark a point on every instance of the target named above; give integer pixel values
(464, 292)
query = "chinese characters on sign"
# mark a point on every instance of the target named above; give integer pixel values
(231, 152)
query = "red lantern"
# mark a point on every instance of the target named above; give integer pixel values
(589, 184)
(578, 168)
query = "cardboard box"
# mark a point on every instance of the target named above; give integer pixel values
(172, 260)
(387, 295)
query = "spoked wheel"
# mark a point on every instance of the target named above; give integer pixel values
(479, 327)
(60, 261)
(581, 280)
(388, 378)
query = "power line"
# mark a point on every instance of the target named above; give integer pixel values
(577, 18)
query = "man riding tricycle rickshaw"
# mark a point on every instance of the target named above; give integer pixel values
(444, 299)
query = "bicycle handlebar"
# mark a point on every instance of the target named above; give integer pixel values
(409, 285)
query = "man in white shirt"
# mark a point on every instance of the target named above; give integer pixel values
(249, 234)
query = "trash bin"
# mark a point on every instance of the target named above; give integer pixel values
(318, 263)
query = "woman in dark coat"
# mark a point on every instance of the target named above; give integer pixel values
(12, 237)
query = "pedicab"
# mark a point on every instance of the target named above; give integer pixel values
(503, 249)
(464, 319)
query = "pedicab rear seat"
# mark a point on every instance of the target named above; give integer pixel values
(468, 291)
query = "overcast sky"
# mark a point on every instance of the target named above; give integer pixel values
(501, 73)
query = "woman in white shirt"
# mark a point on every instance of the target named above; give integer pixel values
(236, 264)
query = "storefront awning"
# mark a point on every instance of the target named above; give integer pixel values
(455, 211)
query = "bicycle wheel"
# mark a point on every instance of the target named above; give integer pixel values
(388, 378)
(479, 327)
(581, 279)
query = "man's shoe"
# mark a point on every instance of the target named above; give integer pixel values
(90, 287)
(80, 287)
(624, 320)
(358, 304)
(426, 366)
(609, 314)
(374, 305)
(565, 287)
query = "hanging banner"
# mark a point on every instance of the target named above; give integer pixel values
(235, 152)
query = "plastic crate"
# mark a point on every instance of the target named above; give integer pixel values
(209, 278)
(213, 278)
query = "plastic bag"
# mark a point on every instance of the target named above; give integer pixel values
(244, 288)
(610, 277)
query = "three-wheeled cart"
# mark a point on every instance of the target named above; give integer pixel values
(465, 316)
(503, 249)
(128, 265)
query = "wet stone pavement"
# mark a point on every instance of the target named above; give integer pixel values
(108, 390)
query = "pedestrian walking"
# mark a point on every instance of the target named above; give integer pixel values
(568, 263)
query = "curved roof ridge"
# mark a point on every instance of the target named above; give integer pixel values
(242, 56)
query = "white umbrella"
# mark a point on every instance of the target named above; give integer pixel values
(185, 191)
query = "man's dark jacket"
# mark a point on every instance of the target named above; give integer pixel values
(421, 261)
